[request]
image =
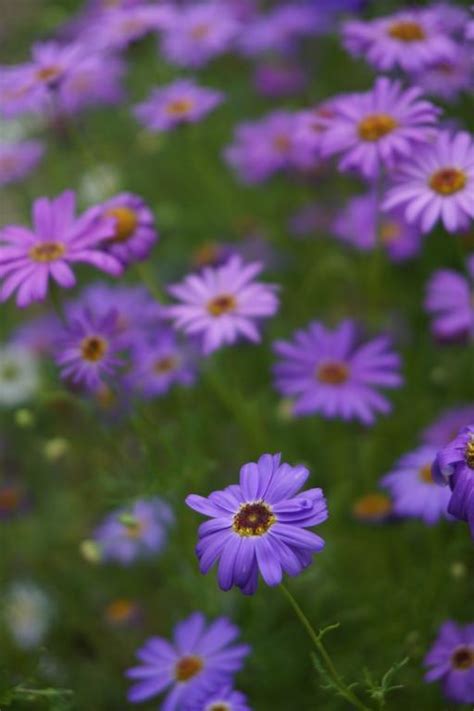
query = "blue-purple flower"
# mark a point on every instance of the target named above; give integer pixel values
(134, 232)
(17, 160)
(447, 425)
(223, 698)
(450, 302)
(451, 661)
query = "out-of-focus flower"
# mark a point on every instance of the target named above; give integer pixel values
(38, 334)
(198, 33)
(413, 489)
(451, 661)
(375, 128)
(373, 508)
(17, 160)
(134, 532)
(222, 698)
(30, 257)
(197, 658)
(24, 418)
(122, 612)
(28, 612)
(260, 525)
(331, 373)
(447, 78)
(183, 101)
(447, 425)
(450, 301)
(407, 39)
(309, 219)
(55, 448)
(275, 79)
(361, 224)
(99, 183)
(96, 80)
(117, 27)
(279, 29)
(437, 182)
(13, 499)
(223, 304)
(134, 231)
(19, 377)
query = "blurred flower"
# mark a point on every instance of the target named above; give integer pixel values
(96, 80)
(196, 659)
(17, 160)
(24, 418)
(212, 254)
(122, 612)
(437, 182)
(329, 373)
(373, 508)
(447, 425)
(134, 532)
(55, 448)
(275, 79)
(375, 128)
(19, 376)
(99, 183)
(222, 698)
(448, 77)
(310, 218)
(223, 304)
(117, 27)
(260, 525)
(13, 499)
(451, 661)
(134, 232)
(279, 29)
(28, 258)
(90, 551)
(413, 490)
(450, 301)
(27, 613)
(38, 334)
(183, 101)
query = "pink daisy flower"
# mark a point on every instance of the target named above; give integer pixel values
(437, 182)
(30, 257)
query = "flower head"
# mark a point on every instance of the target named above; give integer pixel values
(30, 257)
(450, 301)
(331, 373)
(447, 425)
(19, 377)
(117, 27)
(451, 661)
(259, 525)
(279, 29)
(17, 160)
(197, 658)
(222, 698)
(223, 304)
(134, 232)
(447, 77)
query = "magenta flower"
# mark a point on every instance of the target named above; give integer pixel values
(450, 301)
(134, 231)
(260, 525)
(223, 304)
(329, 372)
(437, 182)
(183, 101)
(17, 160)
(374, 129)
(30, 257)
(451, 661)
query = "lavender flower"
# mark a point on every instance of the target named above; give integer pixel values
(134, 231)
(134, 532)
(183, 101)
(451, 661)
(454, 464)
(278, 30)
(277, 79)
(223, 304)
(19, 377)
(260, 525)
(17, 160)
(447, 77)
(450, 301)
(29, 258)
(95, 80)
(437, 182)
(197, 658)
(117, 27)
(447, 425)
(329, 373)
(224, 698)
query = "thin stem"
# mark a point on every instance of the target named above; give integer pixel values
(57, 303)
(344, 690)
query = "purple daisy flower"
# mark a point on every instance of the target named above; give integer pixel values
(375, 128)
(134, 232)
(412, 487)
(117, 27)
(447, 77)
(223, 304)
(95, 80)
(197, 658)
(134, 532)
(276, 79)
(447, 425)
(450, 301)
(17, 160)
(409, 39)
(29, 258)
(38, 334)
(279, 29)
(330, 373)
(451, 661)
(198, 33)
(183, 101)
(87, 349)
(437, 182)
(260, 525)
(454, 464)
(224, 698)
(360, 224)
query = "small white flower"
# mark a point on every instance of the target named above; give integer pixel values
(27, 612)
(18, 375)
(98, 184)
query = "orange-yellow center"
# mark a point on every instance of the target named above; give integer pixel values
(93, 348)
(470, 454)
(282, 143)
(165, 364)
(179, 107)
(253, 519)
(406, 31)
(200, 31)
(463, 657)
(389, 231)
(448, 181)
(126, 221)
(48, 74)
(332, 373)
(120, 610)
(425, 474)
(47, 251)
(220, 305)
(376, 126)
(187, 667)
(372, 506)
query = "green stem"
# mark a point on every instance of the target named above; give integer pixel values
(344, 690)
(57, 303)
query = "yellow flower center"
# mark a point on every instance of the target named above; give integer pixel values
(282, 143)
(376, 126)
(47, 251)
(253, 519)
(407, 31)
(332, 373)
(463, 657)
(120, 610)
(425, 474)
(48, 74)
(372, 506)
(165, 365)
(133, 527)
(126, 221)
(93, 348)
(187, 667)
(389, 231)
(200, 31)
(218, 706)
(179, 107)
(448, 181)
(470, 454)
(220, 305)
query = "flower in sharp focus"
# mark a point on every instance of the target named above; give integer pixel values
(134, 532)
(19, 377)
(451, 661)
(134, 231)
(223, 304)
(197, 658)
(222, 698)
(450, 302)
(436, 182)
(376, 128)
(17, 160)
(30, 257)
(259, 525)
(183, 101)
(447, 425)
(331, 373)
(413, 489)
